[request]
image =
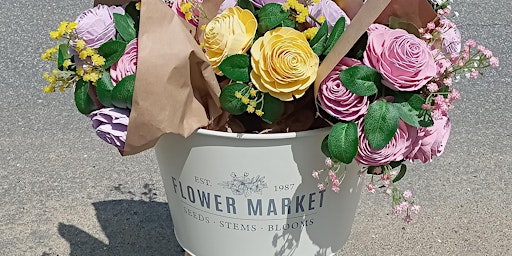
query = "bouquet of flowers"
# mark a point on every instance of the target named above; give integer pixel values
(98, 60)
(387, 99)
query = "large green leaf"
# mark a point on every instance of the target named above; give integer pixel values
(122, 93)
(361, 80)
(229, 101)
(336, 32)
(236, 67)
(83, 101)
(407, 113)
(104, 89)
(318, 42)
(272, 108)
(270, 16)
(343, 142)
(112, 51)
(380, 124)
(125, 26)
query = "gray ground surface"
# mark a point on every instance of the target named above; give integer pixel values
(64, 192)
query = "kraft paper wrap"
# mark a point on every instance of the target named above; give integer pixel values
(176, 90)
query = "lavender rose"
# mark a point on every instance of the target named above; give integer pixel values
(330, 10)
(429, 141)
(260, 3)
(127, 64)
(394, 151)
(227, 4)
(96, 25)
(405, 62)
(111, 125)
(337, 100)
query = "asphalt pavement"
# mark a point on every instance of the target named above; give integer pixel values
(65, 192)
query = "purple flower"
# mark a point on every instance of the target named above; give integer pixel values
(330, 10)
(127, 64)
(227, 4)
(111, 125)
(337, 100)
(260, 3)
(429, 141)
(393, 151)
(96, 25)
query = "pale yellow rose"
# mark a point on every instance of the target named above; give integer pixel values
(283, 63)
(231, 32)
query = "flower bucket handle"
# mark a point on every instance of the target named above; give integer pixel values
(359, 24)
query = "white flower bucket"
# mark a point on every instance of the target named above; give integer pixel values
(253, 194)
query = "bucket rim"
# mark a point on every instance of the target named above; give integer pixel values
(267, 136)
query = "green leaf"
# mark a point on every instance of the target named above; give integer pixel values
(407, 113)
(395, 23)
(272, 108)
(104, 89)
(395, 164)
(83, 101)
(125, 26)
(401, 174)
(122, 93)
(416, 102)
(270, 16)
(246, 4)
(131, 9)
(380, 124)
(236, 67)
(288, 23)
(63, 55)
(318, 42)
(112, 51)
(361, 80)
(229, 101)
(410, 107)
(336, 32)
(325, 146)
(426, 119)
(342, 141)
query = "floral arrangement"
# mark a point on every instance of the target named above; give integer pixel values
(387, 100)
(99, 49)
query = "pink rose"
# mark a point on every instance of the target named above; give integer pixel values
(337, 100)
(127, 64)
(394, 151)
(330, 10)
(429, 141)
(111, 125)
(96, 25)
(405, 62)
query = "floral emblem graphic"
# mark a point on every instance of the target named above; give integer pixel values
(245, 185)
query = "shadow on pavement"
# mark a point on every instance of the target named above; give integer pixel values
(133, 227)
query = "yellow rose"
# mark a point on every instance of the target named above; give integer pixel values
(283, 63)
(231, 32)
